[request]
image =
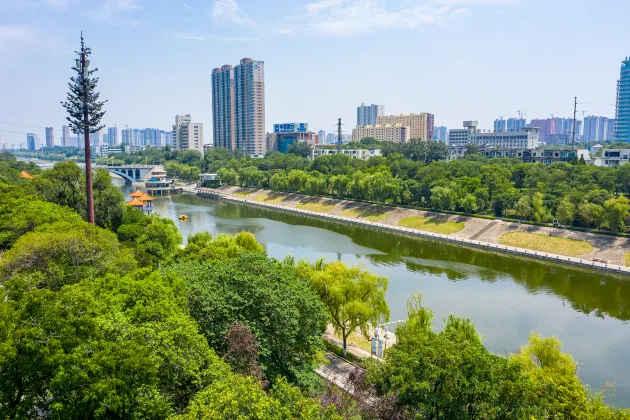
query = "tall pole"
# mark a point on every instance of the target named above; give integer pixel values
(86, 137)
(574, 117)
(339, 135)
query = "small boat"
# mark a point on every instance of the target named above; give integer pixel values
(183, 217)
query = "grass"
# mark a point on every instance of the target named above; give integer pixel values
(545, 243)
(373, 215)
(269, 198)
(627, 259)
(432, 225)
(242, 193)
(316, 206)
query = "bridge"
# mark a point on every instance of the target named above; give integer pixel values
(130, 173)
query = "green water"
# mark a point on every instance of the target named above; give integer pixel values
(507, 298)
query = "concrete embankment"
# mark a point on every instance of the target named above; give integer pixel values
(486, 246)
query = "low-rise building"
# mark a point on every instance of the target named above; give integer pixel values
(612, 157)
(100, 151)
(396, 133)
(363, 154)
(542, 155)
(156, 182)
(527, 138)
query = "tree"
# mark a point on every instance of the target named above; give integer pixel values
(443, 198)
(541, 213)
(565, 212)
(523, 207)
(355, 299)
(286, 317)
(85, 112)
(243, 351)
(436, 151)
(469, 203)
(300, 148)
(472, 149)
(617, 210)
(591, 214)
(65, 253)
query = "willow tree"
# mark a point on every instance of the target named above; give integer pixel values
(85, 112)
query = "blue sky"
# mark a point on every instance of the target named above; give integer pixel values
(458, 59)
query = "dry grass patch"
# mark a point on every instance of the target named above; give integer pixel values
(545, 243)
(243, 193)
(269, 198)
(627, 259)
(317, 206)
(434, 225)
(373, 215)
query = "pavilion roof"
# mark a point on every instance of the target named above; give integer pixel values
(137, 193)
(26, 175)
(136, 203)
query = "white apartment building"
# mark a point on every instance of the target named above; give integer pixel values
(527, 138)
(187, 135)
(363, 154)
(396, 133)
(612, 158)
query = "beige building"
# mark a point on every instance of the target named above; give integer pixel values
(395, 133)
(420, 125)
(362, 154)
(187, 135)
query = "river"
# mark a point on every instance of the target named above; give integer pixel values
(507, 298)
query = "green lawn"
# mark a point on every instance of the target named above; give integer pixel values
(269, 198)
(316, 206)
(627, 259)
(432, 225)
(545, 243)
(373, 215)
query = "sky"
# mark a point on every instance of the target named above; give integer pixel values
(457, 59)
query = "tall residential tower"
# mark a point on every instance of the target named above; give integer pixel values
(238, 107)
(223, 122)
(367, 114)
(50, 137)
(187, 135)
(622, 112)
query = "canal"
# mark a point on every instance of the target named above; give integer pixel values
(507, 298)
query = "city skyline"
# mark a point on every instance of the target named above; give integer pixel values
(50, 32)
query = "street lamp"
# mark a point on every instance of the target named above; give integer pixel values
(377, 343)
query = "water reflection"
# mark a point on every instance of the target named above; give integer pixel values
(506, 297)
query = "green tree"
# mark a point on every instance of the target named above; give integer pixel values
(541, 213)
(591, 214)
(468, 203)
(616, 212)
(566, 212)
(300, 148)
(287, 318)
(85, 112)
(523, 207)
(443, 198)
(355, 299)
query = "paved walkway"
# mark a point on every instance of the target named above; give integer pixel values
(606, 248)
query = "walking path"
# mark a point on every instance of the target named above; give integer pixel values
(607, 248)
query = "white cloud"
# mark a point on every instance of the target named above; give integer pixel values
(14, 32)
(113, 7)
(320, 5)
(187, 7)
(229, 9)
(361, 16)
(58, 3)
(191, 36)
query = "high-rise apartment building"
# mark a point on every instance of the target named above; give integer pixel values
(50, 137)
(65, 136)
(249, 109)
(598, 128)
(516, 124)
(440, 134)
(368, 114)
(32, 142)
(223, 108)
(420, 125)
(622, 109)
(500, 125)
(321, 137)
(96, 139)
(546, 127)
(112, 137)
(238, 107)
(187, 135)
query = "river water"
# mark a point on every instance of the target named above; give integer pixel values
(506, 297)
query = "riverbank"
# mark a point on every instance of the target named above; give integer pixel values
(466, 231)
